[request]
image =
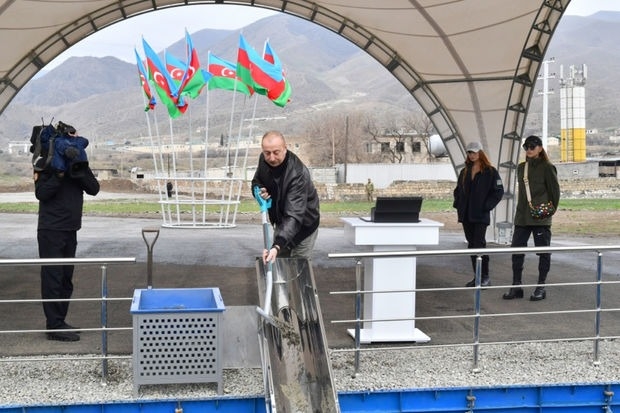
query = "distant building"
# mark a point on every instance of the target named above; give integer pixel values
(19, 147)
(409, 146)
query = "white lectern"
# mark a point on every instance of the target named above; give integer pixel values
(390, 274)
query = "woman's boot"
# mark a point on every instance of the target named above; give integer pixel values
(540, 293)
(485, 281)
(514, 292)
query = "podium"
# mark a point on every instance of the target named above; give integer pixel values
(390, 274)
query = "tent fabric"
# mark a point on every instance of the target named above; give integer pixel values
(470, 64)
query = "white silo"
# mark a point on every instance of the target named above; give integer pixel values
(573, 114)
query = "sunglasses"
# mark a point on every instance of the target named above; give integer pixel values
(530, 147)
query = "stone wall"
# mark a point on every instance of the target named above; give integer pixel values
(571, 188)
(357, 192)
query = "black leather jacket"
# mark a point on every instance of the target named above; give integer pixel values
(294, 208)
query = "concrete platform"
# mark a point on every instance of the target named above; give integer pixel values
(225, 258)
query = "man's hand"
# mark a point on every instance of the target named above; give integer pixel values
(264, 194)
(270, 255)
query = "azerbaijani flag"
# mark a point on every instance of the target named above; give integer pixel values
(145, 83)
(254, 70)
(280, 93)
(164, 85)
(177, 69)
(224, 76)
(193, 79)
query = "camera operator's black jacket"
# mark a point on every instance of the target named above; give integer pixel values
(295, 202)
(61, 199)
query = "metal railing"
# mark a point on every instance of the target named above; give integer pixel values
(104, 299)
(359, 294)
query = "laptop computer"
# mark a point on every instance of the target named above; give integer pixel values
(396, 209)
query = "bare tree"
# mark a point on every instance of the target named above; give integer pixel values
(389, 135)
(419, 122)
(335, 138)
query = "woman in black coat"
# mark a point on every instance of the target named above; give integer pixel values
(479, 189)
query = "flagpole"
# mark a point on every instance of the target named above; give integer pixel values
(206, 151)
(174, 170)
(191, 166)
(161, 161)
(232, 115)
(150, 132)
(229, 174)
(188, 65)
(245, 163)
(250, 137)
(251, 133)
(237, 184)
(172, 150)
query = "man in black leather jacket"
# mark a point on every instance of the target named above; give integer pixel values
(61, 198)
(294, 212)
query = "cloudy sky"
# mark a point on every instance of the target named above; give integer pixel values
(121, 39)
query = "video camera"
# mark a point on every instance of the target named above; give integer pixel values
(59, 148)
(64, 129)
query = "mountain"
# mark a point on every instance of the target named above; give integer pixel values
(591, 41)
(103, 99)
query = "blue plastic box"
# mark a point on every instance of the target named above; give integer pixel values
(177, 336)
(162, 300)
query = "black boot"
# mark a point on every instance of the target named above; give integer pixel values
(539, 294)
(485, 281)
(514, 292)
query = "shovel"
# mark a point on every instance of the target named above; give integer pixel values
(264, 205)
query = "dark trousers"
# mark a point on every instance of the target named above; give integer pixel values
(542, 238)
(56, 280)
(475, 234)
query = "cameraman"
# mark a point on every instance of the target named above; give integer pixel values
(61, 198)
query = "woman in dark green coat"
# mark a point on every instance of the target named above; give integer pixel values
(542, 183)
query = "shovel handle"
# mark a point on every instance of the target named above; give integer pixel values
(264, 204)
(149, 250)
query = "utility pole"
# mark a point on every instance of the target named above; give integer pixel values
(346, 146)
(333, 148)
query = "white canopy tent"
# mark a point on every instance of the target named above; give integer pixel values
(470, 64)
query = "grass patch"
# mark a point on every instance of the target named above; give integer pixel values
(598, 204)
(129, 207)
(581, 217)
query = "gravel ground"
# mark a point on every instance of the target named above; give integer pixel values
(71, 381)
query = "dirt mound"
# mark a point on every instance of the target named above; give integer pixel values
(120, 185)
(108, 185)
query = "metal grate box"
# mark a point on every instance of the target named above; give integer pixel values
(177, 336)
